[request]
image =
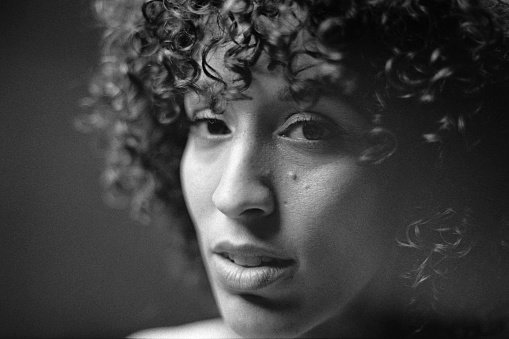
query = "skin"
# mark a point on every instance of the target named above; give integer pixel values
(257, 179)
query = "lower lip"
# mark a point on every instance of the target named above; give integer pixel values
(246, 279)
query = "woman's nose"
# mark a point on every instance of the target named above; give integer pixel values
(244, 188)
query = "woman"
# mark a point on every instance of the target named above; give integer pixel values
(338, 163)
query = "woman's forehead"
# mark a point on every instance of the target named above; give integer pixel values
(209, 89)
(305, 66)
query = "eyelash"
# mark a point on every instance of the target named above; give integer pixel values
(313, 127)
(295, 120)
(209, 119)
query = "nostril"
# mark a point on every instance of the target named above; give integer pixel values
(253, 213)
(241, 194)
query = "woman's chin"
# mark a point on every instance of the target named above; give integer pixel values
(254, 321)
(262, 329)
(252, 318)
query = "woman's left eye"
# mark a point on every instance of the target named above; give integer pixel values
(307, 127)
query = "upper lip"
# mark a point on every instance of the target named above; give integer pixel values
(248, 250)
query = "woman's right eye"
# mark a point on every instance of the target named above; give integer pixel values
(207, 124)
(212, 126)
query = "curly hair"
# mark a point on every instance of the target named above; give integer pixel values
(435, 72)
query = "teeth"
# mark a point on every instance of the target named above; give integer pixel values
(239, 260)
(249, 261)
(267, 259)
(253, 261)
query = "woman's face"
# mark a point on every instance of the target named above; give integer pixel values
(291, 226)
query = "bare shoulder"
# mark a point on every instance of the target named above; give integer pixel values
(211, 328)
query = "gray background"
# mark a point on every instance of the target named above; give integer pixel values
(70, 266)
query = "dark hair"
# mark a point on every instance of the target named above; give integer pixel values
(434, 72)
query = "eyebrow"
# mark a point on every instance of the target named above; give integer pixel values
(283, 94)
(205, 86)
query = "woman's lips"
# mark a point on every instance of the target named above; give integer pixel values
(248, 268)
(249, 261)
(249, 273)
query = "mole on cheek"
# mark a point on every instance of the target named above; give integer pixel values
(292, 175)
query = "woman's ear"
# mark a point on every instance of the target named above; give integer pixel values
(380, 145)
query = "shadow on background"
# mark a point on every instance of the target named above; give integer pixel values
(70, 266)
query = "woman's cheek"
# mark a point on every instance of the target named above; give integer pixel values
(332, 215)
(198, 182)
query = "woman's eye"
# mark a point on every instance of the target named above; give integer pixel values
(206, 124)
(307, 128)
(307, 131)
(212, 126)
